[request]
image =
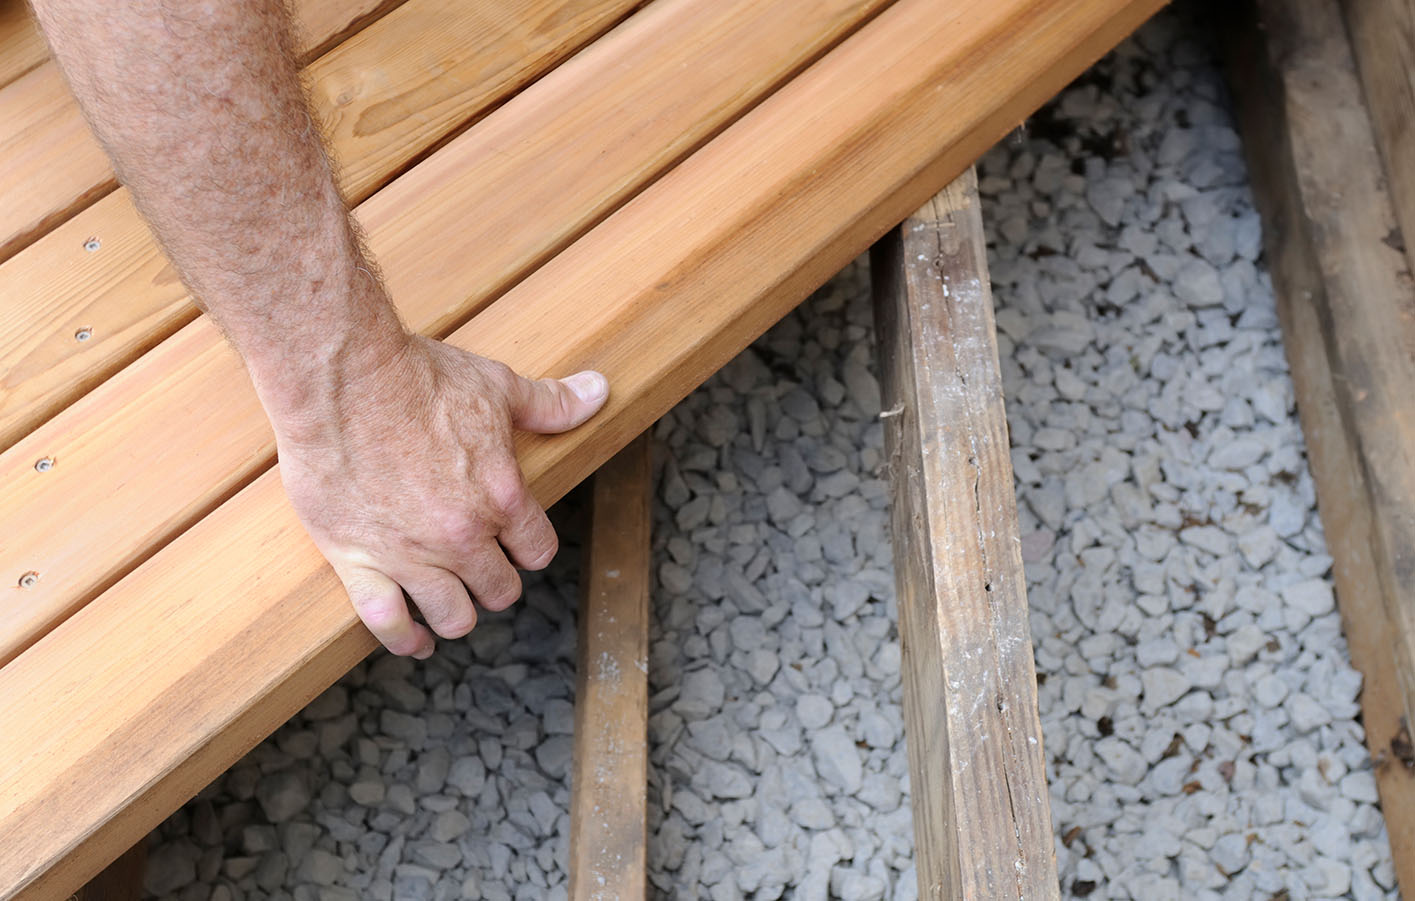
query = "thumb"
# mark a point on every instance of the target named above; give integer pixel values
(557, 405)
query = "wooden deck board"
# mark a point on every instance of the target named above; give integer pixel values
(22, 47)
(382, 112)
(982, 815)
(1345, 300)
(658, 296)
(537, 173)
(51, 166)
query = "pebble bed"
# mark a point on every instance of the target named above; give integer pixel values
(1198, 705)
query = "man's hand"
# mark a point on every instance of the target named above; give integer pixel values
(396, 450)
(408, 483)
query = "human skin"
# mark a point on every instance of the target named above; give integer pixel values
(395, 449)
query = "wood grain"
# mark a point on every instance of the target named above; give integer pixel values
(22, 47)
(1345, 302)
(235, 625)
(608, 800)
(389, 95)
(982, 817)
(1383, 37)
(450, 236)
(51, 166)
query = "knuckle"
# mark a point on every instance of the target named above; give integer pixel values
(460, 529)
(506, 594)
(381, 619)
(456, 625)
(435, 608)
(505, 491)
(502, 376)
(561, 398)
(543, 550)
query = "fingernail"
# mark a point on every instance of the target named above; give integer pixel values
(424, 653)
(589, 386)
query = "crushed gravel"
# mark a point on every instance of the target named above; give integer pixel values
(1198, 704)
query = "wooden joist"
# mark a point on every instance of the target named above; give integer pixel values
(658, 295)
(977, 775)
(381, 112)
(1383, 36)
(450, 236)
(609, 787)
(51, 166)
(122, 880)
(1345, 300)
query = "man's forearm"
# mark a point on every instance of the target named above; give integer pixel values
(396, 450)
(200, 107)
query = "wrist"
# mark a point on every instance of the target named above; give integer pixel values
(311, 385)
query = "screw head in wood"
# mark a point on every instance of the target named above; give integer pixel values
(44, 464)
(83, 334)
(29, 579)
(92, 244)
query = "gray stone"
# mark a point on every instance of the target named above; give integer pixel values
(701, 694)
(170, 867)
(814, 711)
(1307, 714)
(1269, 691)
(449, 826)
(467, 775)
(837, 759)
(433, 766)
(1198, 284)
(762, 665)
(282, 795)
(1313, 597)
(411, 730)
(1163, 686)
(368, 792)
(321, 868)
(1124, 762)
(553, 755)
(1230, 853)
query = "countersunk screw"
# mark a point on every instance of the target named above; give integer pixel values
(83, 334)
(29, 579)
(44, 464)
(91, 245)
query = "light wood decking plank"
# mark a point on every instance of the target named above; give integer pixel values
(387, 96)
(450, 236)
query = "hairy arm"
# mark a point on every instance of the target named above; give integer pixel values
(395, 450)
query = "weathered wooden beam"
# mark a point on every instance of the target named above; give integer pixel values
(235, 625)
(1345, 301)
(982, 816)
(1383, 38)
(608, 801)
